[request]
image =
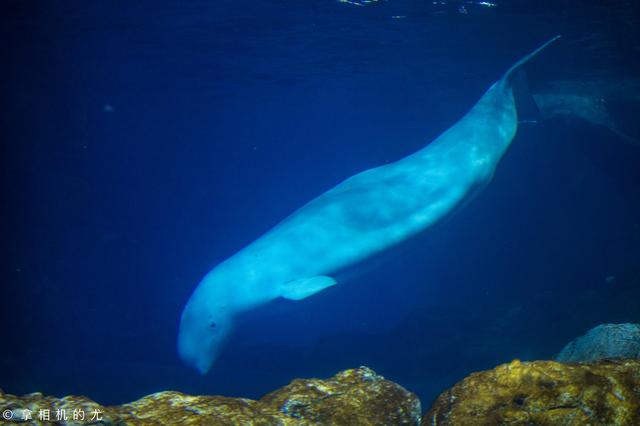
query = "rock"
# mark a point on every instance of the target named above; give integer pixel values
(604, 341)
(352, 397)
(175, 408)
(77, 410)
(543, 393)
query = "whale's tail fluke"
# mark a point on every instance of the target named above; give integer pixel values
(511, 72)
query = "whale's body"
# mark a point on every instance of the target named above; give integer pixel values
(364, 215)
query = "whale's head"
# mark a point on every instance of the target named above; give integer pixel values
(205, 324)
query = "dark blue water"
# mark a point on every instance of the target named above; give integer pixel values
(144, 142)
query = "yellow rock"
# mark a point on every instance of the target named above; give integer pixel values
(352, 397)
(543, 393)
(537, 393)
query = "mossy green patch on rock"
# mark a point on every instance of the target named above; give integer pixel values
(543, 393)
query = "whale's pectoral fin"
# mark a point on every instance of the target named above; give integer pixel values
(305, 287)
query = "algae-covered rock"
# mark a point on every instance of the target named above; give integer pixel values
(175, 408)
(38, 409)
(543, 393)
(604, 341)
(352, 397)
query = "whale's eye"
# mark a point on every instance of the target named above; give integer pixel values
(212, 325)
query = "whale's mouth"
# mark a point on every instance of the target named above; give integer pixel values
(200, 338)
(203, 366)
(194, 354)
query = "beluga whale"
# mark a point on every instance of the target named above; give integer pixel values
(358, 218)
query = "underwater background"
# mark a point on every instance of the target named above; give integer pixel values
(144, 142)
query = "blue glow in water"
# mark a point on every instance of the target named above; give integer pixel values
(144, 144)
